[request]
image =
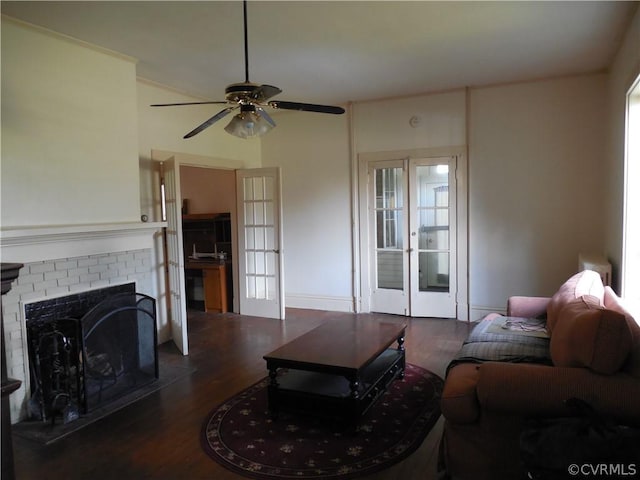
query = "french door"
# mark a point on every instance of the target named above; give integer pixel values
(261, 291)
(412, 236)
(171, 212)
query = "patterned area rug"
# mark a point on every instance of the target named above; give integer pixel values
(240, 435)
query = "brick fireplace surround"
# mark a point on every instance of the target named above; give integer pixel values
(59, 261)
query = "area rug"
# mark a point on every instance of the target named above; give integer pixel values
(240, 435)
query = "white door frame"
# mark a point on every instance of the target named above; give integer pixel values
(462, 295)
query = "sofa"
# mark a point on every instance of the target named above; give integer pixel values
(579, 343)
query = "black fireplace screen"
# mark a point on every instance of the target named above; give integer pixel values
(79, 365)
(119, 348)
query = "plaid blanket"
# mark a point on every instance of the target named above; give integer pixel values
(482, 346)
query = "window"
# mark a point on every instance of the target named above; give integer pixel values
(631, 225)
(389, 206)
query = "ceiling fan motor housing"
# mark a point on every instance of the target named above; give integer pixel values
(239, 92)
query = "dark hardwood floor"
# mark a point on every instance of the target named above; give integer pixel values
(158, 437)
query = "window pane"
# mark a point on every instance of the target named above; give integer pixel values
(269, 243)
(390, 270)
(248, 189)
(271, 288)
(269, 218)
(251, 286)
(260, 263)
(389, 229)
(258, 189)
(434, 271)
(260, 241)
(251, 262)
(261, 287)
(258, 211)
(271, 263)
(269, 183)
(388, 187)
(435, 238)
(248, 214)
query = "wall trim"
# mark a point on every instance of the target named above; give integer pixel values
(41, 243)
(478, 312)
(70, 39)
(319, 302)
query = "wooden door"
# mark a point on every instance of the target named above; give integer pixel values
(172, 208)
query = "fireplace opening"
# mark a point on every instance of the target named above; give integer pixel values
(80, 361)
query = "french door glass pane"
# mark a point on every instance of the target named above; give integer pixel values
(389, 192)
(389, 227)
(434, 271)
(259, 237)
(434, 239)
(390, 269)
(248, 214)
(261, 287)
(433, 230)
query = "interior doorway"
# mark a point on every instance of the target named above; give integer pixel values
(208, 231)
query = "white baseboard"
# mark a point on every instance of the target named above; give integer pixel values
(319, 302)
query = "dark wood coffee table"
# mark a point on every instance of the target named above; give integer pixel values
(338, 369)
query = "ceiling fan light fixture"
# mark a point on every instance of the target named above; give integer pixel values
(248, 123)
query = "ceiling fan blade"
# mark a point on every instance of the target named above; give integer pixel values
(266, 116)
(306, 107)
(184, 103)
(211, 121)
(265, 92)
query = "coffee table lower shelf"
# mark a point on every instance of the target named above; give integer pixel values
(331, 395)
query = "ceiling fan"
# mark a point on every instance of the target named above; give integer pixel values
(251, 99)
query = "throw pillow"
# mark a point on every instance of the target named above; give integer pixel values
(588, 335)
(586, 282)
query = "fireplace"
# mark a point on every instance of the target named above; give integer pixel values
(89, 349)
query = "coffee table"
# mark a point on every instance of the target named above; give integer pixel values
(338, 369)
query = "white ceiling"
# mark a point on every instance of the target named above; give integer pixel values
(335, 52)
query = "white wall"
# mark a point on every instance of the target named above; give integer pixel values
(536, 191)
(535, 183)
(384, 125)
(208, 190)
(624, 71)
(312, 151)
(69, 132)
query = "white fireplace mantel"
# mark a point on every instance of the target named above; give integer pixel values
(43, 243)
